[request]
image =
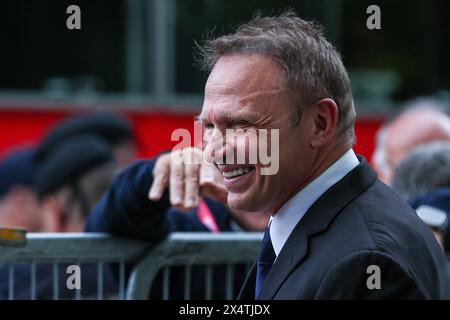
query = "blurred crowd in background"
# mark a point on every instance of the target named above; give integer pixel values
(52, 187)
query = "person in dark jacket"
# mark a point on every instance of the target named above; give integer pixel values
(68, 183)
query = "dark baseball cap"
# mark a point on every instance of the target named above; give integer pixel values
(111, 128)
(69, 161)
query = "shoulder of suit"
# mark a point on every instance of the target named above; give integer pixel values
(389, 221)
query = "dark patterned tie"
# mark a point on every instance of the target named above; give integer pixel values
(265, 261)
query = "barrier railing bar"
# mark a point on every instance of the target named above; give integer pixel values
(229, 280)
(179, 249)
(55, 281)
(121, 279)
(166, 280)
(11, 281)
(208, 282)
(187, 282)
(99, 281)
(33, 280)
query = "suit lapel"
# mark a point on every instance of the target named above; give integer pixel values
(316, 219)
(248, 288)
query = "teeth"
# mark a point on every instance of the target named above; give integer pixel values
(237, 172)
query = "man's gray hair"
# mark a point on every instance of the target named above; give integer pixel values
(424, 169)
(312, 66)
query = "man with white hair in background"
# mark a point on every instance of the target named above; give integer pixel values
(422, 121)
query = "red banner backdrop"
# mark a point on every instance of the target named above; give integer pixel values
(25, 127)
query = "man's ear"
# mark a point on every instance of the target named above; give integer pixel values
(325, 116)
(52, 214)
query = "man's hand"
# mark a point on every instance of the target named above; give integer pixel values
(188, 178)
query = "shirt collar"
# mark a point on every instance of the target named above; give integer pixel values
(289, 215)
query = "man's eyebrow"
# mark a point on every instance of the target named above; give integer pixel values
(230, 118)
(241, 118)
(199, 118)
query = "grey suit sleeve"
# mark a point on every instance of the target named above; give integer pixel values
(369, 275)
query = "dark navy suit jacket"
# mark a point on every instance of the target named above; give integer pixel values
(359, 240)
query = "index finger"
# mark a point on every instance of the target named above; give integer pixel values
(176, 185)
(161, 172)
(191, 184)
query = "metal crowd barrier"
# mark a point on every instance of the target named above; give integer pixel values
(135, 264)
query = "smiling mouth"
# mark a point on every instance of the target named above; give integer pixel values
(237, 172)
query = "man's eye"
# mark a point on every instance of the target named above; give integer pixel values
(241, 126)
(208, 126)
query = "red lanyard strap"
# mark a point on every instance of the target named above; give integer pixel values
(206, 217)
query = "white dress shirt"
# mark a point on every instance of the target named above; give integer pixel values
(285, 220)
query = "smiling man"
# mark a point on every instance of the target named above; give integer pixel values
(336, 231)
(332, 220)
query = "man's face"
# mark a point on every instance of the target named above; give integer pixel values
(247, 92)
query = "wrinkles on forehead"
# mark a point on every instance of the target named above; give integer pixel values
(256, 108)
(242, 98)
